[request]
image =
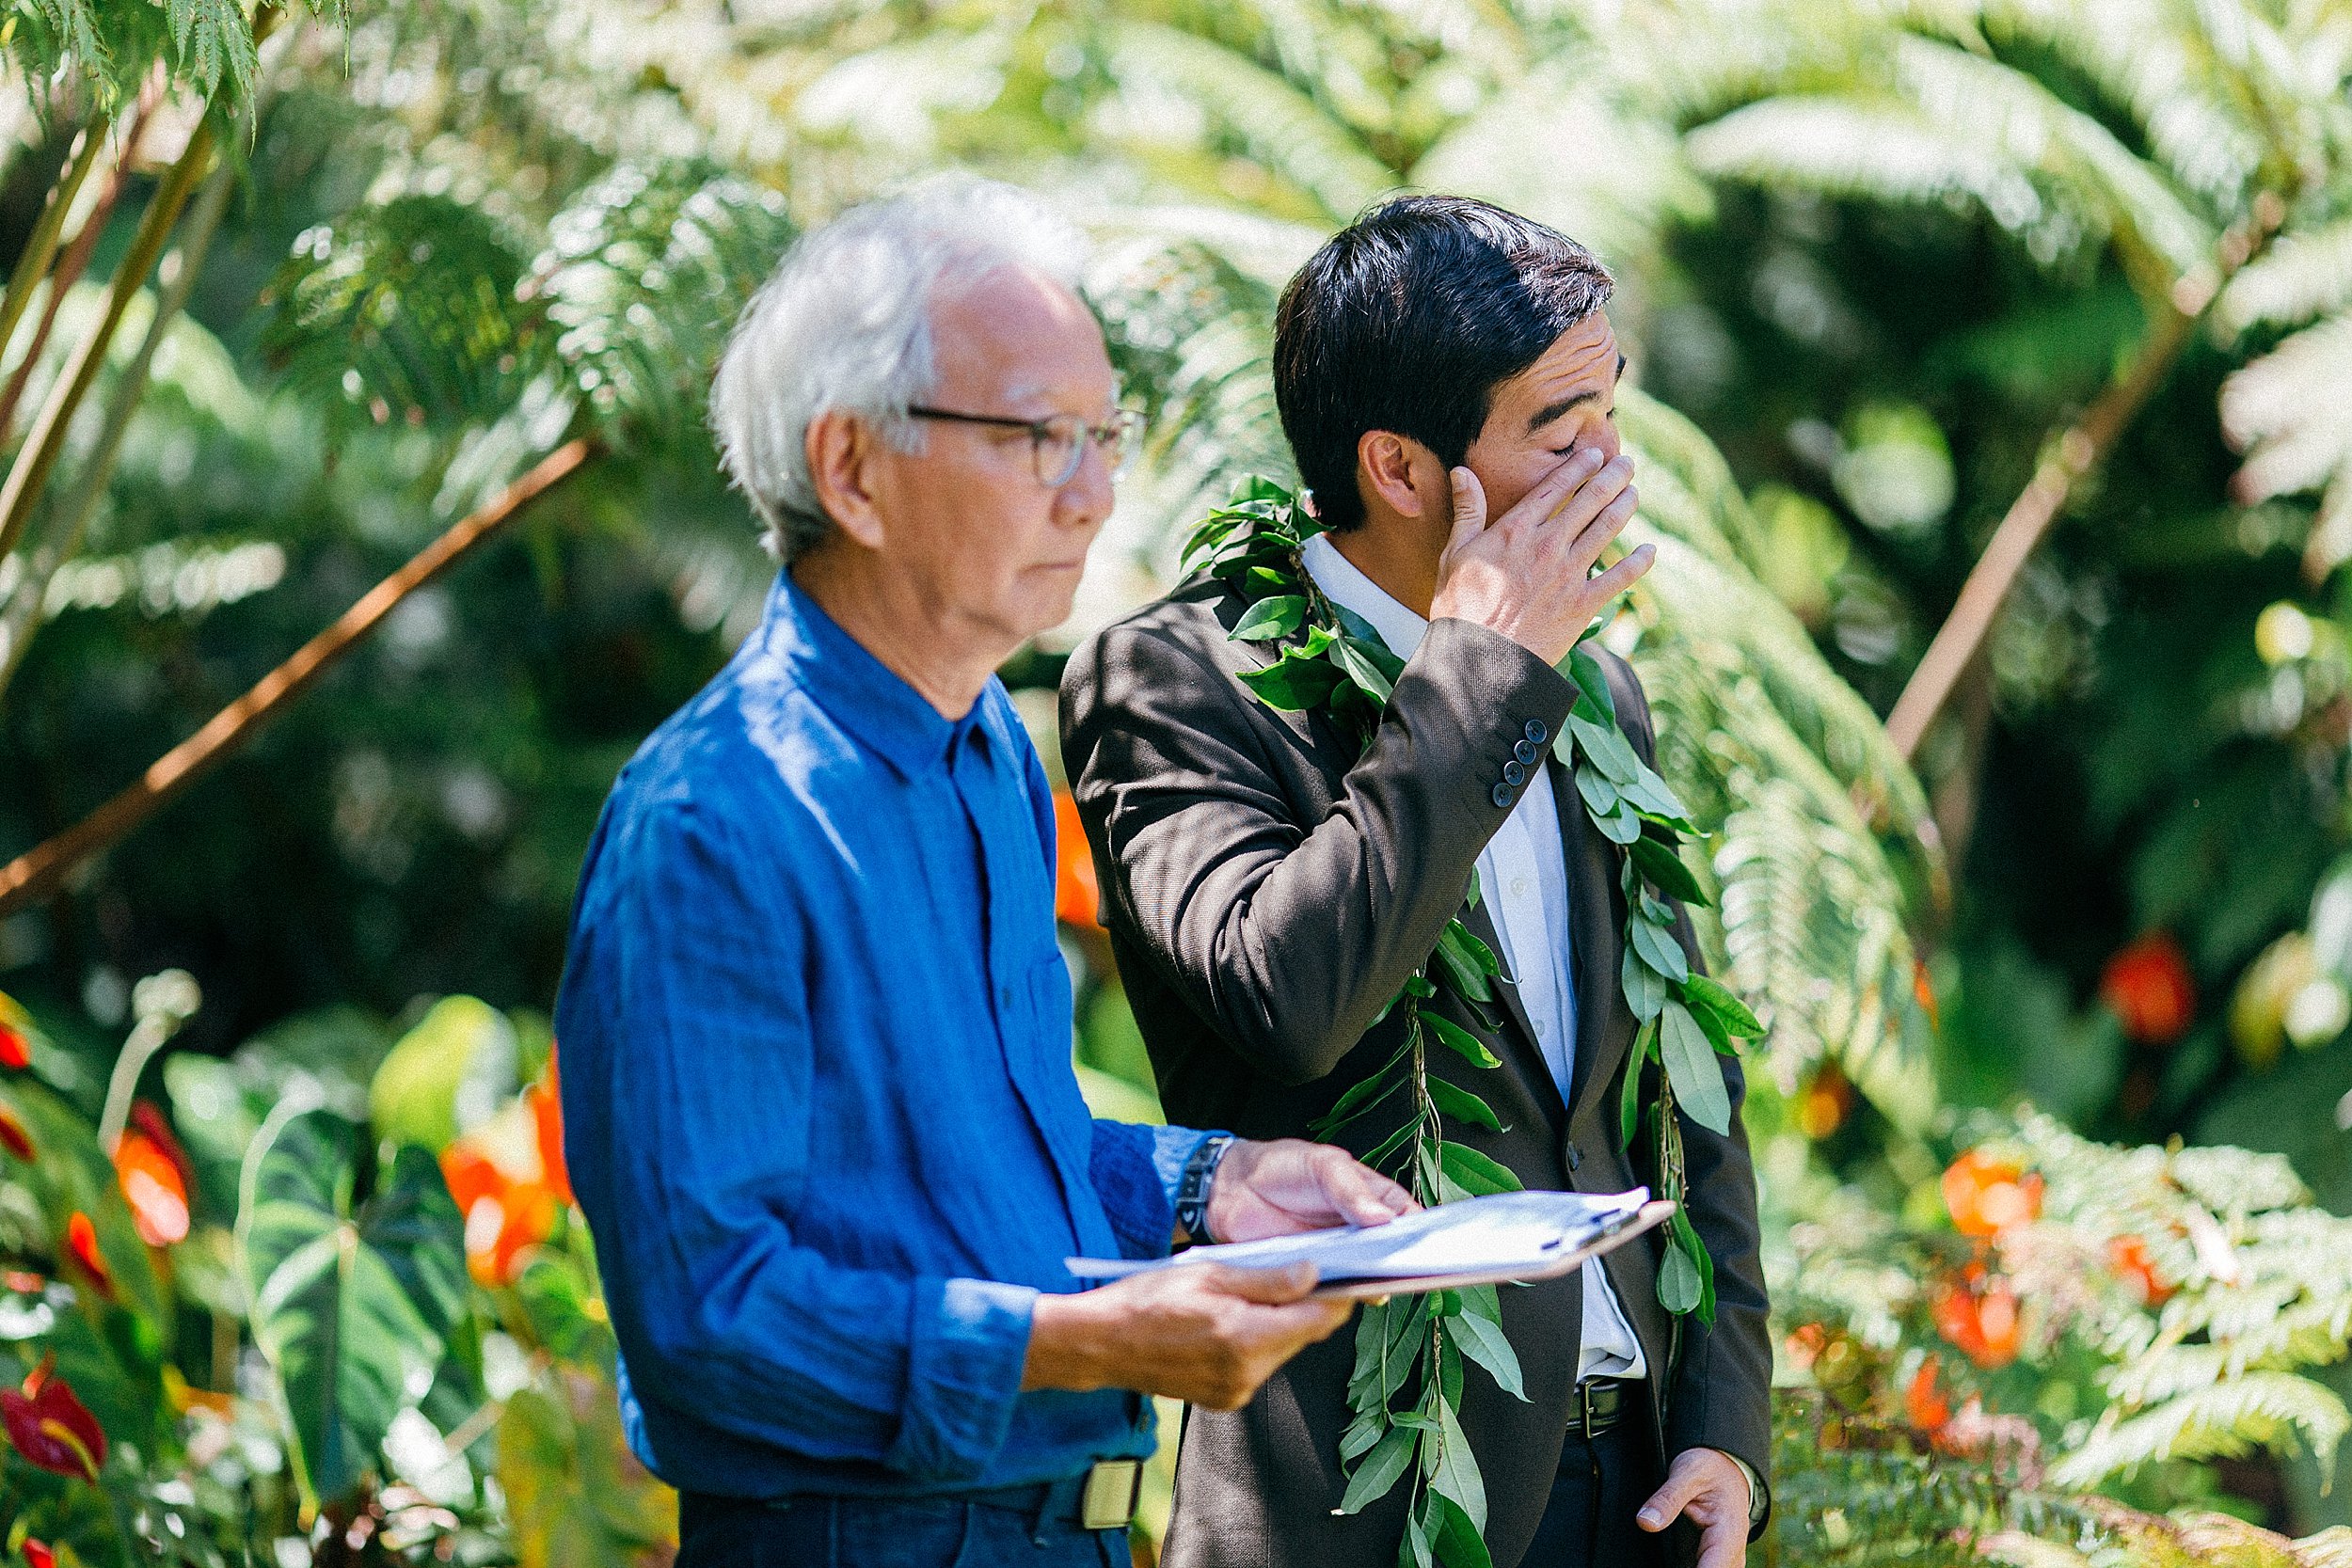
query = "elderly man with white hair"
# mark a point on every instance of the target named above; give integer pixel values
(817, 1095)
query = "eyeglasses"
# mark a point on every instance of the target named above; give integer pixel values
(1057, 444)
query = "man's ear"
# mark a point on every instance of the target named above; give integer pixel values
(842, 449)
(1393, 469)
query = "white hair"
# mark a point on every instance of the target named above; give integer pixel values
(845, 323)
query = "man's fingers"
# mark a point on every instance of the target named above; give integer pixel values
(1725, 1545)
(1359, 1194)
(1665, 1505)
(1270, 1287)
(1626, 573)
(1606, 525)
(1469, 508)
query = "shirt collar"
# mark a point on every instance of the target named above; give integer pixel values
(1347, 587)
(858, 692)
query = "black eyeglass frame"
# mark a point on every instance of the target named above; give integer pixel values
(1121, 433)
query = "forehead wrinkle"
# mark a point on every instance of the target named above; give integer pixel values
(1551, 411)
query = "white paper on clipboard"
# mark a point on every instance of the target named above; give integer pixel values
(1503, 1236)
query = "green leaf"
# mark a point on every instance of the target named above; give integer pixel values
(1659, 949)
(1459, 1545)
(1354, 626)
(1601, 796)
(1470, 894)
(448, 1073)
(1678, 1283)
(1455, 1476)
(1622, 826)
(1705, 994)
(1644, 987)
(349, 1310)
(1591, 683)
(1269, 618)
(1361, 1435)
(1476, 1172)
(1462, 1105)
(1419, 987)
(1691, 1067)
(1359, 1097)
(1653, 795)
(1293, 684)
(1459, 1040)
(1608, 749)
(1259, 581)
(1354, 657)
(1629, 1106)
(1380, 1471)
(1416, 1550)
(1483, 1341)
(1482, 1301)
(1371, 1337)
(1664, 868)
(1461, 969)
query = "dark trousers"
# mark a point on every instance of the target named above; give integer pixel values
(1601, 1483)
(857, 1532)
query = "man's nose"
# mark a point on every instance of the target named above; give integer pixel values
(1087, 499)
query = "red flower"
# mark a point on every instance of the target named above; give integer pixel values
(1077, 896)
(15, 1051)
(1924, 1402)
(81, 1241)
(2148, 986)
(13, 1137)
(148, 1119)
(1979, 1318)
(51, 1427)
(546, 1116)
(1822, 1108)
(154, 1187)
(37, 1555)
(2128, 1256)
(1987, 1194)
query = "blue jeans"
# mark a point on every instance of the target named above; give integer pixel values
(857, 1532)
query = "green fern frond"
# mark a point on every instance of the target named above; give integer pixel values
(2299, 277)
(2287, 410)
(2227, 1419)
(211, 37)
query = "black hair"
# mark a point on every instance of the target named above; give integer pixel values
(1407, 321)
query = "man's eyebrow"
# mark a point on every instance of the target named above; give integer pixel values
(1546, 415)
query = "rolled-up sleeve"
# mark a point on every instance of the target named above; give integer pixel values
(687, 1094)
(1136, 1171)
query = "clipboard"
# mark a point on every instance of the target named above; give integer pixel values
(1649, 1217)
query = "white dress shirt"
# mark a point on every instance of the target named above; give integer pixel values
(1523, 879)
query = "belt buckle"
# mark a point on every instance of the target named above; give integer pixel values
(1113, 1487)
(1584, 1393)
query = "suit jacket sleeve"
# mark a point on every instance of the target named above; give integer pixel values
(1721, 1395)
(1289, 937)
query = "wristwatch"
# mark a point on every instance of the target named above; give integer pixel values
(1193, 1187)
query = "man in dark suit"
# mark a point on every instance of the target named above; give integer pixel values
(1268, 887)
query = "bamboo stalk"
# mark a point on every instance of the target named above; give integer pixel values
(40, 246)
(69, 270)
(34, 873)
(20, 618)
(45, 442)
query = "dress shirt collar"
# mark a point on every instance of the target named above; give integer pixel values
(1347, 586)
(858, 692)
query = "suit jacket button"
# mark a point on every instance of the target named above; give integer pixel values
(1536, 732)
(1502, 796)
(1514, 775)
(1576, 1155)
(1526, 751)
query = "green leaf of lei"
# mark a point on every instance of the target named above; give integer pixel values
(1278, 616)
(1476, 1172)
(1459, 1040)
(1483, 1342)
(1658, 948)
(1706, 994)
(1455, 1476)
(1380, 1471)
(1462, 1105)
(1664, 868)
(1691, 1065)
(1679, 1282)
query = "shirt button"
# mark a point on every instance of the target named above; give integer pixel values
(1536, 732)
(1526, 751)
(1501, 796)
(1518, 887)
(1513, 774)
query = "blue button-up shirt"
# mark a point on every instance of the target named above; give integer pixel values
(817, 1100)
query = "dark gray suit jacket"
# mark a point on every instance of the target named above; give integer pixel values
(1266, 893)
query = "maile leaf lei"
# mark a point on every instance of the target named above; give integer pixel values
(1404, 1393)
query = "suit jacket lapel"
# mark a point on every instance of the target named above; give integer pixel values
(1518, 1042)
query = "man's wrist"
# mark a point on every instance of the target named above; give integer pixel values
(1064, 1345)
(1198, 1181)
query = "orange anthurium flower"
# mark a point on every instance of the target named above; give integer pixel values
(2128, 1256)
(1924, 1402)
(152, 1185)
(2148, 986)
(81, 1243)
(546, 1116)
(51, 1427)
(1987, 1194)
(16, 1052)
(1981, 1319)
(501, 1186)
(1077, 896)
(13, 1137)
